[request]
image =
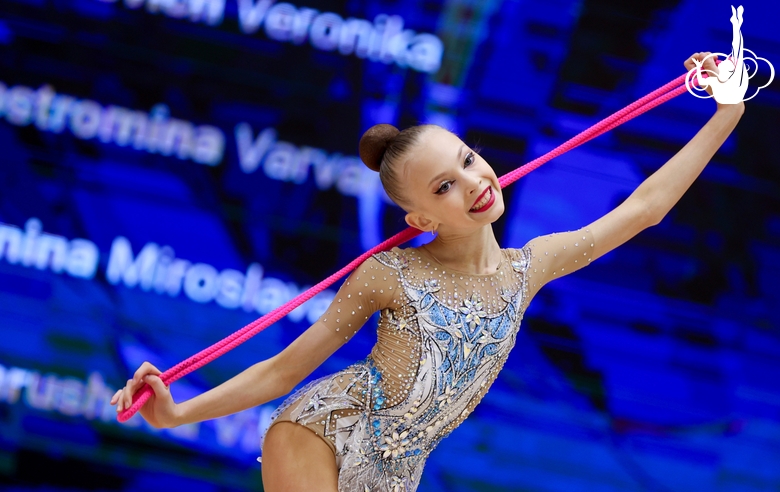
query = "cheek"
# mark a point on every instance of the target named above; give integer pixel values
(482, 162)
(451, 202)
(499, 206)
(449, 207)
(434, 206)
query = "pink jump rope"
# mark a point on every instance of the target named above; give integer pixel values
(655, 98)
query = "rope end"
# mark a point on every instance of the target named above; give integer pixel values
(139, 399)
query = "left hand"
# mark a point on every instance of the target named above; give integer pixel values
(708, 66)
(698, 59)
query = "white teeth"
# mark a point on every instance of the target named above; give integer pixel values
(483, 201)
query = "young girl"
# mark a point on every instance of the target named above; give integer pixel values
(450, 313)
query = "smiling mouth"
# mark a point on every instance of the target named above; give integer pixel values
(484, 201)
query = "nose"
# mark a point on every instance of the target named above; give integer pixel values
(475, 185)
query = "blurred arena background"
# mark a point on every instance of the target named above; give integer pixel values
(173, 169)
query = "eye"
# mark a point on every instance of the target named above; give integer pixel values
(444, 187)
(469, 159)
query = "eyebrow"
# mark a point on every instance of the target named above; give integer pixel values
(442, 174)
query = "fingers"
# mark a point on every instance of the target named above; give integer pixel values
(159, 388)
(697, 58)
(692, 61)
(116, 396)
(118, 400)
(146, 368)
(127, 395)
(709, 66)
(124, 397)
(703, 59)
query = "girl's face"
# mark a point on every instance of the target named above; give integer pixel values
(449, 186)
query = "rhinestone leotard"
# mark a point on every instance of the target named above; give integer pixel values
(442, 338)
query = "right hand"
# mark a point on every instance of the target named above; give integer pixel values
(160, 409)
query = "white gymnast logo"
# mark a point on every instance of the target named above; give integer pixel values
(730, 82)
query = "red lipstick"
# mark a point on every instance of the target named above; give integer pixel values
(487, 205)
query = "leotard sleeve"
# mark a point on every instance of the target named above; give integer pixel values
(370, 288)
(556, 255)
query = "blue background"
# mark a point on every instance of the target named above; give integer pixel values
(655, 368)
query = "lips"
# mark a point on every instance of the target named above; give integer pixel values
(484, 201)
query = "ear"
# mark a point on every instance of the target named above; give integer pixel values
(420, 222)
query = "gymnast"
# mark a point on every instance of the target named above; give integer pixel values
(449, 310)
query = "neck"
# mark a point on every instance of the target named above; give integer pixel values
(476, 252)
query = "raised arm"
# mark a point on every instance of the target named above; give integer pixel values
(559, 254)
(371, 287)
(656, 196)
(556, 255)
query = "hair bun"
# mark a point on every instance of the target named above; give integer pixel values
(374, 142)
